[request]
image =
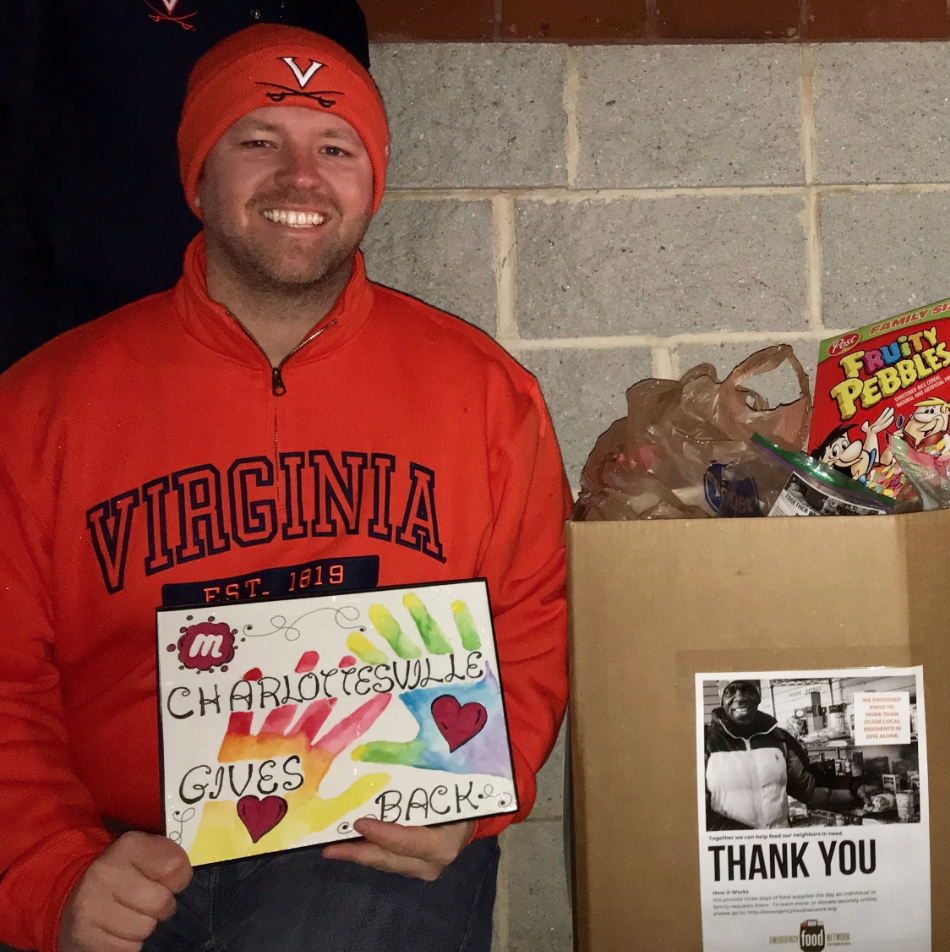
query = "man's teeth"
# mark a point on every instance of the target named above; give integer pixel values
(294, 219)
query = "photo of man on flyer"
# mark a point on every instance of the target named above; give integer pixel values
(753, 766)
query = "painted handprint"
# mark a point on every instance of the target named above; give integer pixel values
(461, 726)
(280, 822)
(259, 762)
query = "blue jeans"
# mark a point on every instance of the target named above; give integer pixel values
(300, 902)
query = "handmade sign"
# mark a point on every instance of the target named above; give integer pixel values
(284, 721)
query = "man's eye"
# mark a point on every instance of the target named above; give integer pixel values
(257, 144)
(334, 150)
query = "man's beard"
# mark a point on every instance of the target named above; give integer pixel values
(267, 268)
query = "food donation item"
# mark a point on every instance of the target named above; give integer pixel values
(882, 803)
(926, 475)
(814, 489)
(684, 449)
(888, 378)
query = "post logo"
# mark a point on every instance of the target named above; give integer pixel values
(811, 936)
(302, 76)
(843, 344)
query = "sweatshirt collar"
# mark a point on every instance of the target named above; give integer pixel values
(214, 327)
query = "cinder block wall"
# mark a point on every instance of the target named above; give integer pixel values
(613, 213)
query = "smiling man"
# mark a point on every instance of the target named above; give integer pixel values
(753, 766)
(274, 408)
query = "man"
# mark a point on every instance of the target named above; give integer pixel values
(273, 408)
(91, 211)
(752, 765)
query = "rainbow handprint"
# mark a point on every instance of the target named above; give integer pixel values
(462, 728)
(225, 830)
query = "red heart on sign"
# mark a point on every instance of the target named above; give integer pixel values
(261, 816)
(458, 724)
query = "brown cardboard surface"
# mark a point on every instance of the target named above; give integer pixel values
(652, 604)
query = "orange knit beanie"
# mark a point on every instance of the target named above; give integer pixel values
(276, 65)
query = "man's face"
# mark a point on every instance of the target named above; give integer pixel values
(927, 420)
(286, 195)
(740, 704)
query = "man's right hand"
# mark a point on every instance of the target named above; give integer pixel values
(124, 894)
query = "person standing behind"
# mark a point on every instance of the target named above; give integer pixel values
(91, 211)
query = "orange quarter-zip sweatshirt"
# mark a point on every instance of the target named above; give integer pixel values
(154, 457)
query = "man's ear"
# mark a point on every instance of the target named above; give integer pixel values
(201, 177)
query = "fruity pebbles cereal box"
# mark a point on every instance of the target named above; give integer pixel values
(891, 378)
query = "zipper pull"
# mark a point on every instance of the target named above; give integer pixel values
(277, 382)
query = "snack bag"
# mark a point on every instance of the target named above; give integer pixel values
(891, 378)
(814, 489)
(926, 476)
(683, 450)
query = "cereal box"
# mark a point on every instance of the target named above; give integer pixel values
(889, 378)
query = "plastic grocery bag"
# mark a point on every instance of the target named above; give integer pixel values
(683, 450)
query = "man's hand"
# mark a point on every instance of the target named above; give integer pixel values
(422, 852)
(865, 793)
(124, 894)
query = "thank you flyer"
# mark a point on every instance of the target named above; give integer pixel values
(813, 810)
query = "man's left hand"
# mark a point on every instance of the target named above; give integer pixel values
(865, 793)
(421, 852)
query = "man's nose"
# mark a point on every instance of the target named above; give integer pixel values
(300, 167)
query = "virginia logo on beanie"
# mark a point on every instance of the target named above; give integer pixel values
(302, 77)
(322, 96)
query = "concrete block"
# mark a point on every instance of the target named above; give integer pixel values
(882, 254)
(882, 112)
(468, 115)
(550, 780)
(779, 386)
(584, 390)
(689, 115)
(438, 251)
(661, 266)
(540, 918)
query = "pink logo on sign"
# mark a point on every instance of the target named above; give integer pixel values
(206, 645)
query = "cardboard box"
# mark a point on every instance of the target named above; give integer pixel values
(652, 604)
